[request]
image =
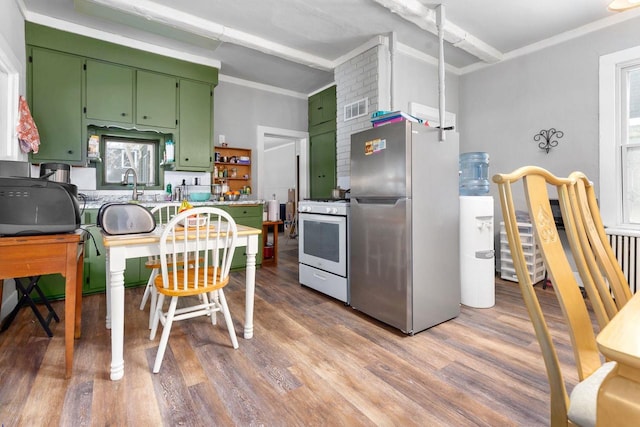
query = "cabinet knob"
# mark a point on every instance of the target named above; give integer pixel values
(123, 114)
(186, 159)
(145, 117)
(70, 152)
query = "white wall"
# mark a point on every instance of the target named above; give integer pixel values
(12, 77)
(280, 171)
(417, 81)
(503, 106)
(239, 110)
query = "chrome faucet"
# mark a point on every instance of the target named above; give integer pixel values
(125, 181)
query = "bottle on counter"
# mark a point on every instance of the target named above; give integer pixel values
(183, 189)
(169, 194)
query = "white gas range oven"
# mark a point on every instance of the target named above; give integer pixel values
(323, 246)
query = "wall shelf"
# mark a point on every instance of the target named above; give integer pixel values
(230, 171)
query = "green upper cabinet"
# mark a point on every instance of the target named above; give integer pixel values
(322, 164)
(322, 107)
(156, 99)
(102, 84)
(109, 92)
(55, 99)
(114, 92)
(322, 143)
(195, 142)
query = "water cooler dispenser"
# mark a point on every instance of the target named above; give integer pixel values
(477, 266)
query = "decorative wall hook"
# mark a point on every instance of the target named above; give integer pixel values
(546, 138)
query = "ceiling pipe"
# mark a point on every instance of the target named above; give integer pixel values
(392, 70)
(441, 75)
(426, 19)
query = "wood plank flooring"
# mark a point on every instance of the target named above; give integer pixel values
(312, 362)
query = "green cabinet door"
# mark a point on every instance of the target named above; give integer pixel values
(109, 92)
(322, 164)
(156, 99)
(322, 107)
(56, 105)
(194, 146)
(250, 216)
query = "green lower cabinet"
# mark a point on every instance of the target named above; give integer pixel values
(251, 216)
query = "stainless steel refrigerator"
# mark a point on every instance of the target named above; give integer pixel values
(404, 241)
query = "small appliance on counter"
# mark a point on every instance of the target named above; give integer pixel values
(32, 206)
(57, 172)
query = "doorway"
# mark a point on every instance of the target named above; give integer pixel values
(284, 141)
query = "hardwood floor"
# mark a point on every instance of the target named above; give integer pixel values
(312, 362)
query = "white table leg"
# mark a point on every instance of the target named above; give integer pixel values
(250, 277)
(115, 276)
(108, 293)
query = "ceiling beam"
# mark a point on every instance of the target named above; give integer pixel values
(204, 28)
(425, 18)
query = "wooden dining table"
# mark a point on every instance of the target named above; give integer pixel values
(619, 394)
(29, 256)
(123, 247)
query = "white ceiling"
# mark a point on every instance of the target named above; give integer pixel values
(294, 44)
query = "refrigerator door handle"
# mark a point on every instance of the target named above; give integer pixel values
(378, 200)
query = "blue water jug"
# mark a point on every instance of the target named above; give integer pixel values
(474, 174)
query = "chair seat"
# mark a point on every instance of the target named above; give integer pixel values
(584, 397)
(191, 282)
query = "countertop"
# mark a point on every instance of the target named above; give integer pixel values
(95, 204)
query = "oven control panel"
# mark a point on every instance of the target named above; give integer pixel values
(337, 207)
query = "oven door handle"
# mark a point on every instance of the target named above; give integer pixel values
(319, 277)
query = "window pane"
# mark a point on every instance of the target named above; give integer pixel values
(632, 184)
(122, 154)
(630, 138)
(634, 107)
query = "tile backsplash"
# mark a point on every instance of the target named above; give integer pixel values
(85, 180)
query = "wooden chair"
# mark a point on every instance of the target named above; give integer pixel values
(603, 265)
(580, 407)
(163, 214)
(212, 239)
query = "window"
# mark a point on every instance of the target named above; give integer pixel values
(620, 139)
(122, 154)
(630, 142)
(9, 85)
(122, 150)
